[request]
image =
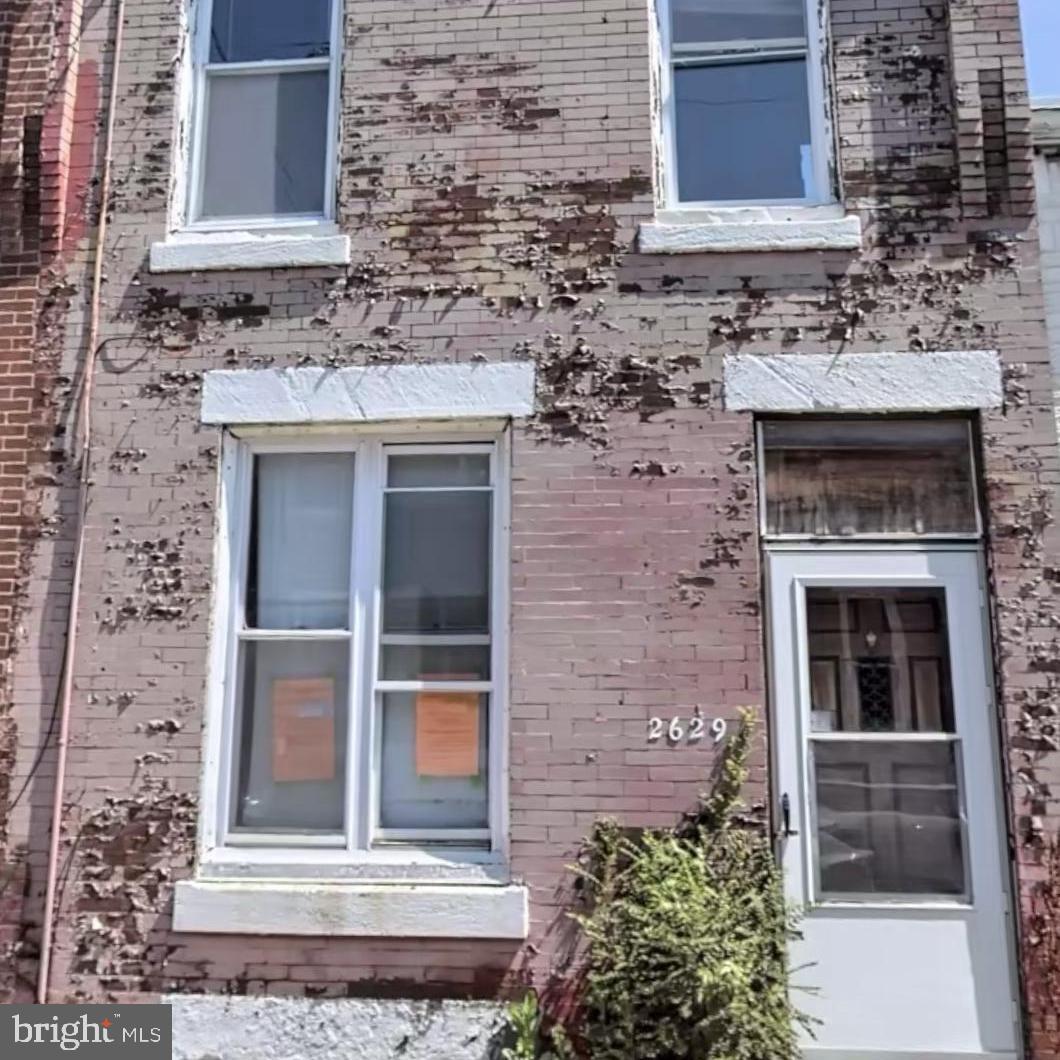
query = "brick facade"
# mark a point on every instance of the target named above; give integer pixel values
(495, 163)
(38, 184)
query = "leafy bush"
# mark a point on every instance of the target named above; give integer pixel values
(531, 1039)
(688, 932)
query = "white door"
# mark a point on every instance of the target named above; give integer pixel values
(886, 764)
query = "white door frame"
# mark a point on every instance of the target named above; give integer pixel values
(986, 911)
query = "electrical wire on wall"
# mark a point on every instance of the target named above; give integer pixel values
(83, 447)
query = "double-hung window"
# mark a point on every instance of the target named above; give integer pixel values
(742, 102)
(263, 129)
(361, 678)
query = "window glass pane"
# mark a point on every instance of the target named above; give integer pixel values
(433, 772)
(436, 662)
(437, 569)
(834, 479)
(879, 660)
(704, 21)
(888, 818)
(299, 570)
(248, 30)
(292, 736)
(266, 144)
(446, 469)
(743, 131)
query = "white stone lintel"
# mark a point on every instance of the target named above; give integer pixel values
(863, 382)
(453, 911)
(198, 252)
(374, 393)
(732, 237)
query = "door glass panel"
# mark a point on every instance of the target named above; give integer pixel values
(879, 660)
(888, 818)
(839, 478)
(885, 763)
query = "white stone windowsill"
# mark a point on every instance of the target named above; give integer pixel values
(388, 910)
(740, 229)
(192, 251)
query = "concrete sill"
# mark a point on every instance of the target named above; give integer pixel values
(195, 251)
(718, 235)
(390, 910)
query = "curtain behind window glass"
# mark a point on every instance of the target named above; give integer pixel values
(266, 144)
(300, 563)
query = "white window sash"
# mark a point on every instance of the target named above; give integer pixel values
(362, 839)
(813, 47)
(495, 781)
(203, 70)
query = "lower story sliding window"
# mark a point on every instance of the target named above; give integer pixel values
(361, 691)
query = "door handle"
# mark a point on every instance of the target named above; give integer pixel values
(785, 817)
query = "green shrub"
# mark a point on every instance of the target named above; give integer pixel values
(530, 1038)
(687, 932)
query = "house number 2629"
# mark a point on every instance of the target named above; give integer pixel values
(698, 729)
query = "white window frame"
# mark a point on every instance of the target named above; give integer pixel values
(322, 855)
(191, 172)
(815, 49)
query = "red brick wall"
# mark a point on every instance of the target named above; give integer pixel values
(38, 56)
(496, 161)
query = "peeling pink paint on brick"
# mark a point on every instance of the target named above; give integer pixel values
(495, 163)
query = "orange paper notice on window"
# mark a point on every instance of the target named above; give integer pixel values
(303, 729)
(447, 725)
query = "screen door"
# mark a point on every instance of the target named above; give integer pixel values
(888, 802)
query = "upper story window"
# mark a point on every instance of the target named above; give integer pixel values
(356, 711)
(742, 97)
(263, 127)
